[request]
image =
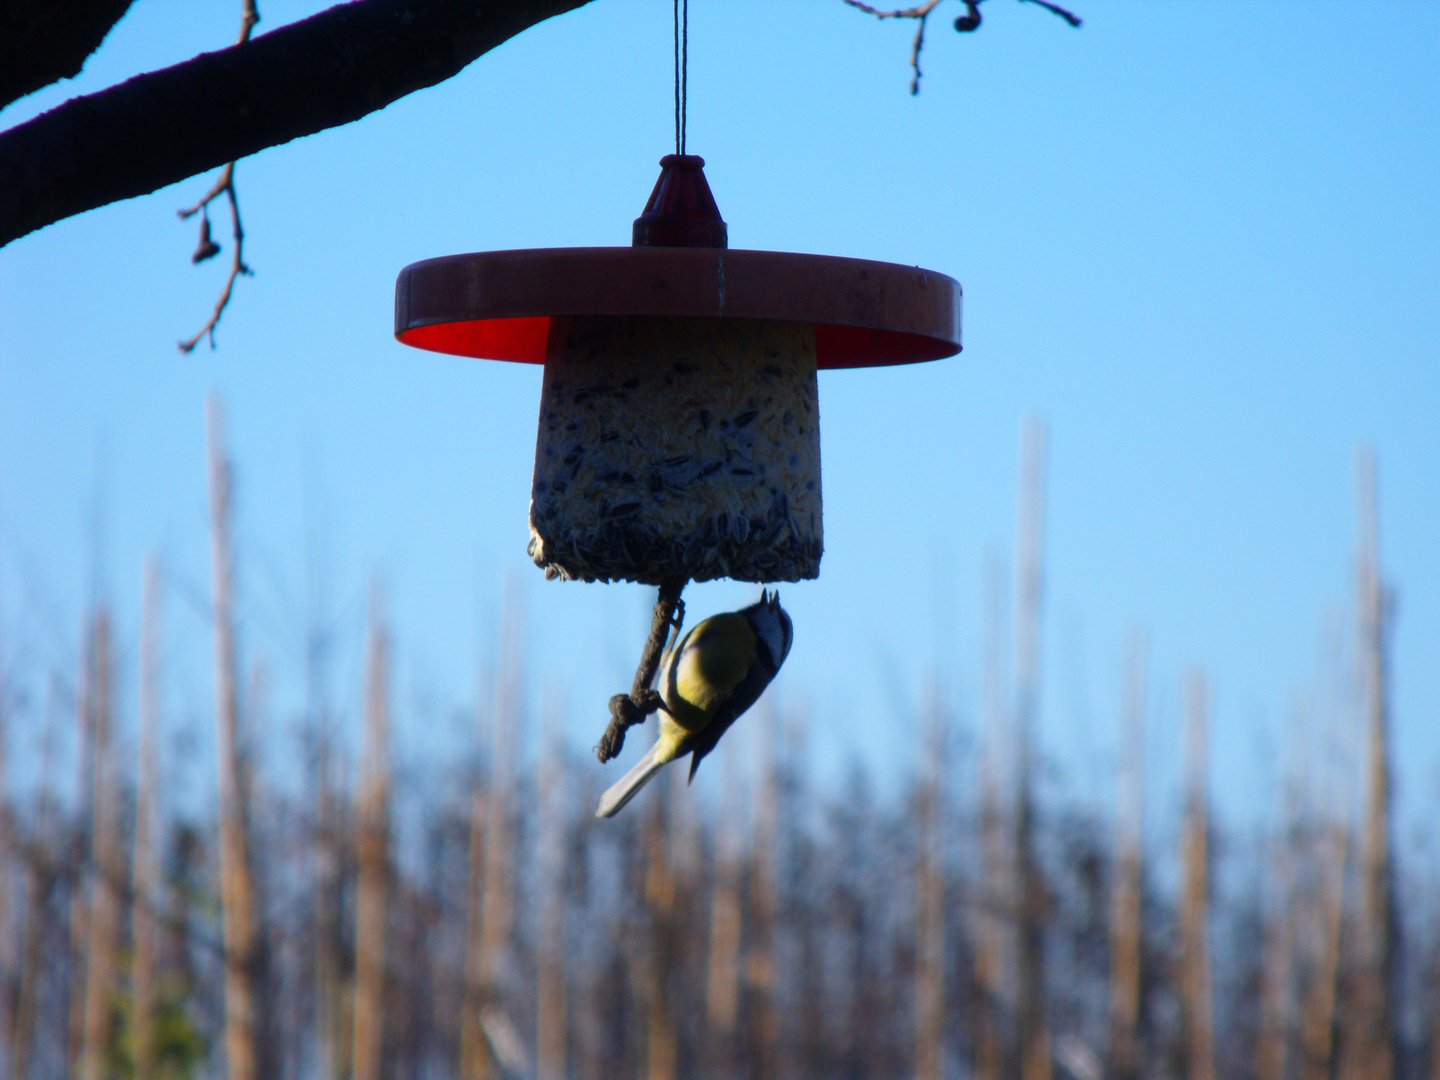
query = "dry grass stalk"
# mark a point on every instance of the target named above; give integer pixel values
(21, 1035)
(761, 966)
(1328, 853)
(1278, 960)
(1195, 981)
(1433, 1035)
(374, 842)
(107, 868)
(660, 1056)
(1317, 1030)
(40, 879)
(79, 927)
(551, 1020)
(722, 978)
(331, 1044)
(146, 900)
(1369, 1052)
(8, 962)
(237, 887)
(930, 893)
(799, 1018)
(490, 967)
(330, 1018)
(1035, 1056)
(474, 1058)
(994, 914)
(79, 954)
(1125, 897)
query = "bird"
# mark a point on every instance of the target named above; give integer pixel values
(708, 678)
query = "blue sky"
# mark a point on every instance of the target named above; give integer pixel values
(1199, 241)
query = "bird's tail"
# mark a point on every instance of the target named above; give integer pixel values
(624, 789)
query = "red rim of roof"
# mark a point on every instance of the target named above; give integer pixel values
(498, 304)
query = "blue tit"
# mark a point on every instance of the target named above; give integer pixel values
(716, 671)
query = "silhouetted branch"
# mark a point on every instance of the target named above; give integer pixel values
(1055, 9)
(226, 186)
(164, 126)
(921, 13)
(44, 41)
(964, 24)
(249, 16)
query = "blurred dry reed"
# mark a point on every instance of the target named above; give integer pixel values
(990, 927)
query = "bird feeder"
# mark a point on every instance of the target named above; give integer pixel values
(679, 433)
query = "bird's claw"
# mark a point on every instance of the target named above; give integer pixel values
(648, 702)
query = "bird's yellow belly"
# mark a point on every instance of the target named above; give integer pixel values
(672, 738)
(686, 715)
(711, 661)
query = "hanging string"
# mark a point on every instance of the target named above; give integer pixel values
(682, 70)
(677, 76)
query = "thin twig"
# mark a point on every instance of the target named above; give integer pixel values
(966, 23)
(1055, 9)
(249, 16)
(226, 177)
(920, 12)
(915, 48)
(225, 185)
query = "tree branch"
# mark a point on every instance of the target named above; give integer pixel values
(44, 41)
(964, 24)
(921, 14)
(919, 11)
(224, 186)
(158, 128)
(249, 17)
(1055, 9)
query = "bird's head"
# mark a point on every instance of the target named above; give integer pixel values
(772, 626)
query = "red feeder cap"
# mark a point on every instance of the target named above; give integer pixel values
(681, 211)
(497, 304)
